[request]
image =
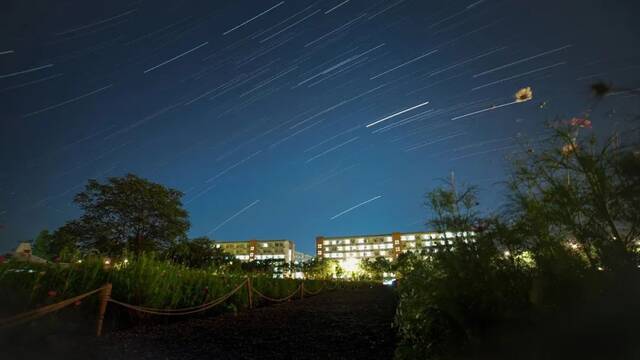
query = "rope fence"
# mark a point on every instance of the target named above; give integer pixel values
(294, 293)
(105, 298)
(181, 311)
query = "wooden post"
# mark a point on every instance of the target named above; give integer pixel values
(302, 290)
(105, 294)
(250, 292)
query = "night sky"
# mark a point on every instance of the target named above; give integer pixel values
(259, 110)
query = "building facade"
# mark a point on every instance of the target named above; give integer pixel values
(251, 250)
(389, 246)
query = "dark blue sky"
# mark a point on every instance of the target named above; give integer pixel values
(257, 110)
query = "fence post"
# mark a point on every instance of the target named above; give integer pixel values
(302, 290)
(250, 292)
(105, 294)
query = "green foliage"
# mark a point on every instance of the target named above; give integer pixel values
(144, 280)
(128, 213)
(321, 269)
(199, 253)
(376, 267)
(550, 270)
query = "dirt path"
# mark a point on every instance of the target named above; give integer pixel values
(345, 324)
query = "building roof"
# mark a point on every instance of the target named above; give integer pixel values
(376, 235)
(246, 241)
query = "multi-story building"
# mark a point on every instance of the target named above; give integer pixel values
(388, 246)
(251, 250)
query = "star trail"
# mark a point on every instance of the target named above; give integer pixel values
(312, 107)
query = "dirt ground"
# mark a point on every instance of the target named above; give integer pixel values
(344, 324)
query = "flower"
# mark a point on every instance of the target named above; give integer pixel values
(585, 123)
(569, 148)
(52, 293)
(524, 94)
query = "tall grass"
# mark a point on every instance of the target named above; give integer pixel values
(145, 281)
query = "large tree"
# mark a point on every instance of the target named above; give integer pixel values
(129, 213)
(200, 252)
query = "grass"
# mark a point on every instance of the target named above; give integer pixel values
(145, 281)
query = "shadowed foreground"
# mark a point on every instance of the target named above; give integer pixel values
(345, 324)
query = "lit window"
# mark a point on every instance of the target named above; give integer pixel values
(346, 241)
(265, 245)
(325, 242)
(387, 239)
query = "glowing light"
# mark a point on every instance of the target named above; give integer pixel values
(107, 261)
(79, 261)
(507, 253)
(350, 265)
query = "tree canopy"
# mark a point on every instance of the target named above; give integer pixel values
(128, 214)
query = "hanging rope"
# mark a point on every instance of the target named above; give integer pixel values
(182, 311)
(36, 313)
(314, 292)
(296, 291)
(188, 308)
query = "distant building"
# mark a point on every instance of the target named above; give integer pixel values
(389, 246)
(302, 257)
(251, 250)
(23, 253)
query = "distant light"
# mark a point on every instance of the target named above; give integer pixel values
(350, 264)
(600, 268)
(79, 261)
(507, 253)
(126, 261)
(574, 246)
(107, 261)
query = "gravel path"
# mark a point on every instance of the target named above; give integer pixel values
(344, 324)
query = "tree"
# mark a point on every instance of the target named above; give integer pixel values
(321, 269)
(579, 192)
(200, 252)
(377, 267)
(59, 245)
(42, 245)
(129, 213)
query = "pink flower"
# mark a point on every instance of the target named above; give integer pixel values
(52, 293)
(585, 123)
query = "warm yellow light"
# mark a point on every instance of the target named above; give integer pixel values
(574, 246)
(126, 261)
(107, 262)
(350, 265)
(79, 261)
(507, 253)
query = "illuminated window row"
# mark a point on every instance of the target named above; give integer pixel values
(363, 247)
(356, 241)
